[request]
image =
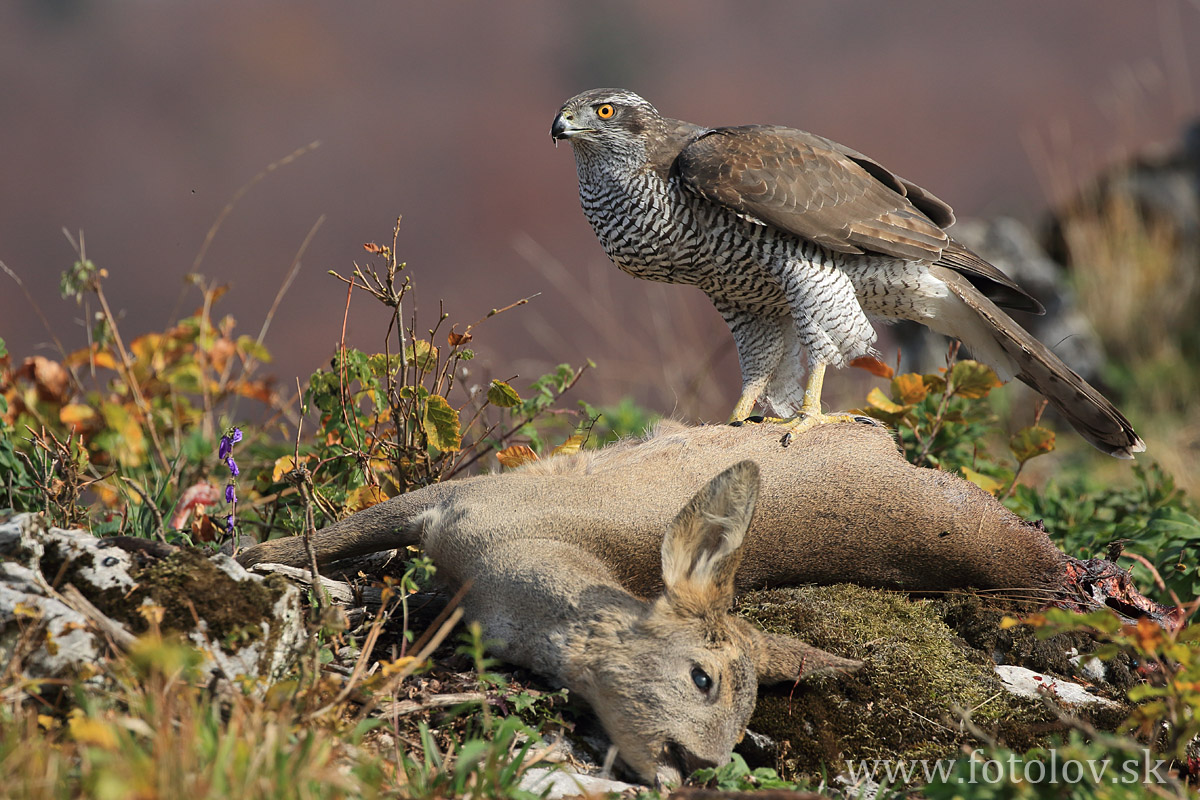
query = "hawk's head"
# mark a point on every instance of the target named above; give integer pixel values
(605, 119)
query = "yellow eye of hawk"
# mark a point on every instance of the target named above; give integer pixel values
(605, 111)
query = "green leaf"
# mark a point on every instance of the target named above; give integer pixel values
(501, 395)
(251, 347)
(972, 380)
(1030, 442)
(441, 424)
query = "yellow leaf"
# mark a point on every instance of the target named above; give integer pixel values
(364, 497)
(877, 399)
(1009, 622)
(985, 482)
(571, 445)
(515, 455)
(91, 731)
(389, 668)
(47, 722)
(145, 347)
(909, 388)
(129, 442)
(284, 465)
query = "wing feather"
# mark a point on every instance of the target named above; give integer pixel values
(836, 197)
(815, 189)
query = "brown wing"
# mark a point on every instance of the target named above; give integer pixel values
(813, 188)
(837, 197)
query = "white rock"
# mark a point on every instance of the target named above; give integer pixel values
(1027, 683)
(558, 784)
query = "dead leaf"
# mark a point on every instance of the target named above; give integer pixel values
(515, 455)
(456, 339)
(874, 366)
(364, 497)
(52, 381)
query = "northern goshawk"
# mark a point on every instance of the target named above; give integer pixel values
(799, 241)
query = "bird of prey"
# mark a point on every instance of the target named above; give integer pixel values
(799, 242)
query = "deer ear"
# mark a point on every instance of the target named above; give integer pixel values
(703, 547)
(782, 658)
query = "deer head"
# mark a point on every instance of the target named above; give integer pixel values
(675, 682)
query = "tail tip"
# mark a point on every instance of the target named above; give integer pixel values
(1123, 451)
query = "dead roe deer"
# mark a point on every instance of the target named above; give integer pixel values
(588, 571)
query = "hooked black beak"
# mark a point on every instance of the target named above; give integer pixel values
(564, 126)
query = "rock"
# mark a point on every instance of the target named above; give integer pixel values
(554, 784)
(1027, 683)
(64, 594)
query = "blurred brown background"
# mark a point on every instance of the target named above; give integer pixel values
(137, 121)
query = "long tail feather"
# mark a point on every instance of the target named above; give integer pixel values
(998, 338)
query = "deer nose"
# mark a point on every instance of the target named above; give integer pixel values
(685, 760)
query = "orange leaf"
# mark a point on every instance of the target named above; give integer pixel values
(515, 455)
(364, 497)
(874, 366)
(456, 339)
(1149, 635)
(909, 389)
(77, 415)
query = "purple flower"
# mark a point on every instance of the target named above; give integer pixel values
(225, 453)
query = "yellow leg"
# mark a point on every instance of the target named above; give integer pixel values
(811, 406)
(745, 405)
(810, 415)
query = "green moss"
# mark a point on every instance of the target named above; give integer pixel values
(907, 700)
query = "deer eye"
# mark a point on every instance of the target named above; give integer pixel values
(701, 679)
(605, 111)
